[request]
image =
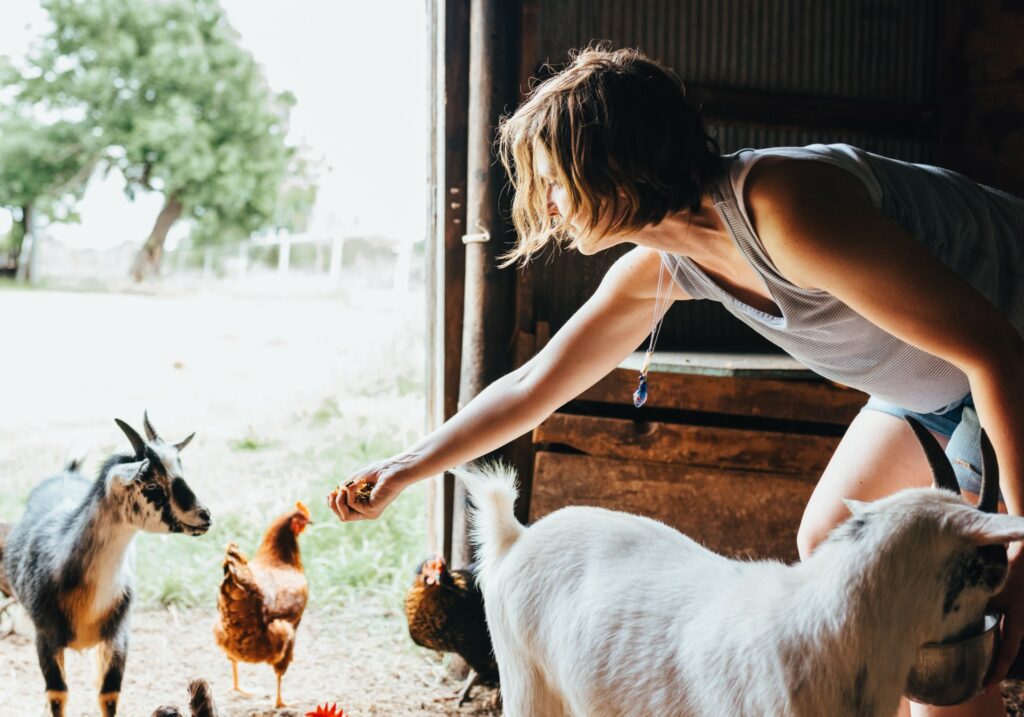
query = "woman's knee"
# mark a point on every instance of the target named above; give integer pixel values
(814, 529)
(877, 456)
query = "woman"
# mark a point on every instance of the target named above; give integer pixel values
(904, 281)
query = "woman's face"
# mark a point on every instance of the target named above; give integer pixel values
(557, 196)
(558, 206)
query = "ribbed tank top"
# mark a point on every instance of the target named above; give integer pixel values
(975, 230)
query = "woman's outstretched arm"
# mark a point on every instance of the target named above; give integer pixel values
(606, 329)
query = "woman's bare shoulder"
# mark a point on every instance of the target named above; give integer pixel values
(636, 273)
(787, 185)
(799, 208)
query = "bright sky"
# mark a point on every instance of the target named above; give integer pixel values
(358, 71)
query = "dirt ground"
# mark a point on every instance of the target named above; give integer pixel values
(360, 658)
(229, 364)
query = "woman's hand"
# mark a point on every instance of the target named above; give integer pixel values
(1010, 601)
(366, 493)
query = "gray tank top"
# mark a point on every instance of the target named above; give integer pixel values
(975, 230)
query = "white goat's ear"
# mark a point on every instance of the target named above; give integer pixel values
(856, 507)
(125, 473)
(994, 528)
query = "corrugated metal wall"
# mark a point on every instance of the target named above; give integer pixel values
(880, 50)
(885, 52)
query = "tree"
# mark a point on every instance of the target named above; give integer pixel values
(296, 197)
(182, 109)
(43, 171)
(293, 205)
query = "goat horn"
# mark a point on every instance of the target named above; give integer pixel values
(150, 431)
(988, 501)
(133, 437)
(185, 442)
(942, 470)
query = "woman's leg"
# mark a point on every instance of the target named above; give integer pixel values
(878, 456)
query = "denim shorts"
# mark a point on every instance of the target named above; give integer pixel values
(959, 422)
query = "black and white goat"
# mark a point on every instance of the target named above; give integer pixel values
(70, 561)
(599, 613)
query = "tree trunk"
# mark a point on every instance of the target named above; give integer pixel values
(147, 263)
(28, 251)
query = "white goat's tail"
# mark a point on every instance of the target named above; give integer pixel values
(493, 490)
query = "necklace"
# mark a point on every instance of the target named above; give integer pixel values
(661, 304)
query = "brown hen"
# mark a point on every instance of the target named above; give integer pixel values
(262, 600)
(445, 611)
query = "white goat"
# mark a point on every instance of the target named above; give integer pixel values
(597, 613)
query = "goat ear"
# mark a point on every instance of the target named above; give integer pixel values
(128, 472)
(148, 427)
(856, 507)
(182, 444)
(994, 528)
(133, 437)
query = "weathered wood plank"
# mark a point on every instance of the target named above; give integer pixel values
(711, 446)
(714, 363)
(732, 512)
(810, 400)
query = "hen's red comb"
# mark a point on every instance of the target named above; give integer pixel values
(326, 710)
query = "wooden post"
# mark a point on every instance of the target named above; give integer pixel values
(284, 254)
(444, 252)
(488, 301)
(243, 259)
(28, 259)
(337, 242)
(402, 260)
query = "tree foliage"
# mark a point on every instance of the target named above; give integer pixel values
(181, 108)
(43, 169)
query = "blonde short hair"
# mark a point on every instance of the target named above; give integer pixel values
(622, 139)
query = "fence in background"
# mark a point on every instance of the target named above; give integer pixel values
(351, 262)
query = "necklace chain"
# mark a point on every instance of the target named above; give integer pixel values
(662, 301)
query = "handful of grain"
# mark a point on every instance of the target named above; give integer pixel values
(363, 491)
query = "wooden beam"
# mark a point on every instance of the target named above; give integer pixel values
(736, 513)
(708, 446)
(798, 400)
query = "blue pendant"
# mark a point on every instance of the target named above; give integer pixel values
(640, 394)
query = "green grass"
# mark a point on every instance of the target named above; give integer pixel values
(9, 284)
(328, 411)
(355, 561)
(408, 384)
(251, 442)
(12, 504)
